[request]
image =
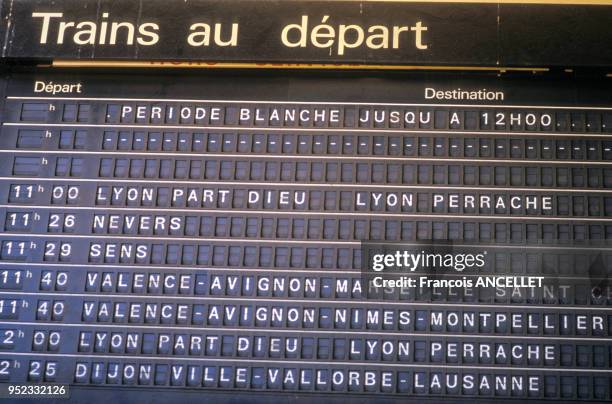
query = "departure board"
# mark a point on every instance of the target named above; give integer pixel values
(204, 235)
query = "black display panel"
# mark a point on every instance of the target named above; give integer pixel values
(194, 236)
(423, 33)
